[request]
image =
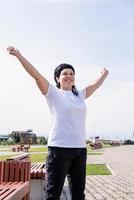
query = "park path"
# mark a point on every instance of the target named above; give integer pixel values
(119, 185)
(120, 159)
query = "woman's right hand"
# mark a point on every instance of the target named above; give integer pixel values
(13, 51)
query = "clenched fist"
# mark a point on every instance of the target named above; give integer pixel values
(13, 51)
(104, 72)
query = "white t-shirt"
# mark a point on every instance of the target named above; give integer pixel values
(68, 118)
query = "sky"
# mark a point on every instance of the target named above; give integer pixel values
(90, 35)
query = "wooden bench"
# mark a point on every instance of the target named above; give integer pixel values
(13, 190)
(22, 157)
(37, 175)
(21, 148)
(96, 146)
(38, 171)
(16, 174)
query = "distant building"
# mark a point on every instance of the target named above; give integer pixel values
(4, 137)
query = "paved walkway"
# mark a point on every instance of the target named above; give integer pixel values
(119, 185)
(120, 159)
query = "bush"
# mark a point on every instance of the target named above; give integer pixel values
(4, 143)
(129, 142)
(41, 140)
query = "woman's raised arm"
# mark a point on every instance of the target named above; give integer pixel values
(40, 80)
(97, 83)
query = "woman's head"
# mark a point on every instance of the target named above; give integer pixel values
(64, 76)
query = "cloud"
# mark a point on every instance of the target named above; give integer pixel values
(71, 1)
(52, 1)
(127, 91)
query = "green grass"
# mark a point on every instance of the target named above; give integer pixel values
(7, 156)
(106, 145)
(94, 153)
(97, 169)
(45, 149)
(38, 149)
(41, 157)
(32, 149)
(3, 150)
(38, 157)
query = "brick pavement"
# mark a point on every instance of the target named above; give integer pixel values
(119, 185)
(109, 187)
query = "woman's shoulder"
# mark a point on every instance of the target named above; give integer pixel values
(52, 90)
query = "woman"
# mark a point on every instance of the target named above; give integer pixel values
(67, 138)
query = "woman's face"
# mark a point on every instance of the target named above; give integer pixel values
(66, 79)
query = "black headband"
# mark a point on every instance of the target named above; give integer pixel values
(59, 68)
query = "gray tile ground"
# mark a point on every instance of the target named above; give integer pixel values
(120, 185)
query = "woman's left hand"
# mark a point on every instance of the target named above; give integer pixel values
(104, 71)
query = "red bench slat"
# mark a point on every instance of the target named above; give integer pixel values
(14, 190)
(10, 172)
(1, 171)
(38, 170)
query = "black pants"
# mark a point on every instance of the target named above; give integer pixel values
(60, 162)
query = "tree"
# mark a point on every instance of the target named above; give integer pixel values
(41, 140)
(15, 136)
